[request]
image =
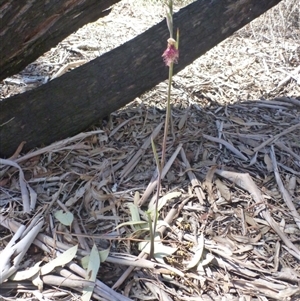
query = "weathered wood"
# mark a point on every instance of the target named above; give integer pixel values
(71, 103)
(30, 28)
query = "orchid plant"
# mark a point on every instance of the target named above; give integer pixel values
(170, 57)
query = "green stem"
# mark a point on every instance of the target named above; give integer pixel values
(163, 159)
(152, 236)
(168, 117)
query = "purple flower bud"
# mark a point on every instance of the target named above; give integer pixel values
(171, 54)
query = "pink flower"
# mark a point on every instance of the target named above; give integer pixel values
(171, 54)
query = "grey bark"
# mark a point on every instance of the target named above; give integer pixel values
(73, 102)
(30, 28)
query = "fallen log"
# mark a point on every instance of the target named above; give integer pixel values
(30, 28)
(76, 100)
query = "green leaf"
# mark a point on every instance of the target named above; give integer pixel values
(162, 202)
(60, 260)
(91, 275)
(160, 250)
(103, 254)
(131, 223)
(66, 218)
(134, 212)
(85, 261)
(136, 198)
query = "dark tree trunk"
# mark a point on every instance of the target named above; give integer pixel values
(30, 28)
(71, 103)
